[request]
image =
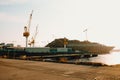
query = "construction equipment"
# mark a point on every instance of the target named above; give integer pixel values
(65, 42)
(27, 29)
(32, 42)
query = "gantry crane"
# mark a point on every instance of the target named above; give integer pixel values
(27, 29)
(32, 42)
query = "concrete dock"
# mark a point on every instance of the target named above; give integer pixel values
(35, 70)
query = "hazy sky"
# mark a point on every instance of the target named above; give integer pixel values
(61, 18)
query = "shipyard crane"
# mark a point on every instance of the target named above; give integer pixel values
(27, 29)
(32, 42)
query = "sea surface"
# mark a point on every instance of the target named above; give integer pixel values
(112, 58)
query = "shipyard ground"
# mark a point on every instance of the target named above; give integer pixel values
(33, 70)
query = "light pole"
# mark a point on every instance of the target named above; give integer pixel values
(86, 34)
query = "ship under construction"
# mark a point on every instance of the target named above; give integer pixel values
(60, 50)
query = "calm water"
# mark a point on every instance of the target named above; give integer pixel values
(109, 59)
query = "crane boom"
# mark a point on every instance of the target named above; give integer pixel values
(36, 31)
(32, 42)
(29, 23)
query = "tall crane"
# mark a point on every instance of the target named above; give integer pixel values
(32, 42)
(27, 29)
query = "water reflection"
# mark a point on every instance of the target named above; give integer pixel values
(109, 59)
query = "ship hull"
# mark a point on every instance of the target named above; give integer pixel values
(85, 46)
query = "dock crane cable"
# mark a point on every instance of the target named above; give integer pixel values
(26, 33)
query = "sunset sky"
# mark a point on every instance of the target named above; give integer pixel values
(61, 18)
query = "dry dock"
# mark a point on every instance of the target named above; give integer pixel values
(34, 70)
